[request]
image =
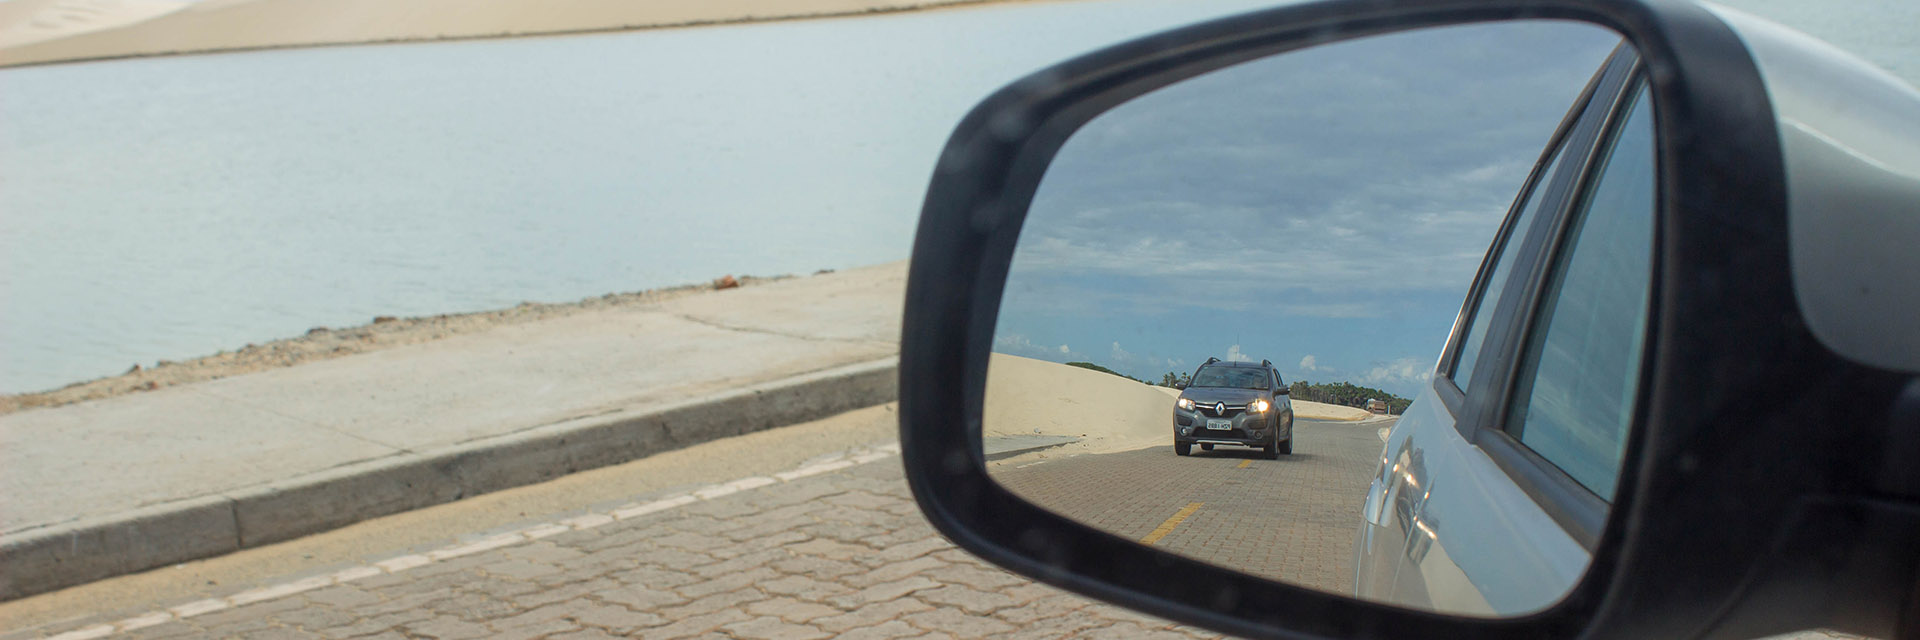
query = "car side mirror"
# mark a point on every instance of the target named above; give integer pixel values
(1715, 510)
(1284, 391)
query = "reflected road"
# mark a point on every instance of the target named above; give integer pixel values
(1293, 519)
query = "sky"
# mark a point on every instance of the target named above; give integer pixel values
(1324, 209)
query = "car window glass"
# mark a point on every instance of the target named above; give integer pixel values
(1575, 396)
(1497, 281)
(1230, 377)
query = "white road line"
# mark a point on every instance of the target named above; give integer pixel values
(414, 560)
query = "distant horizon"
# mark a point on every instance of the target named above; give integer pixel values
(1155, 380)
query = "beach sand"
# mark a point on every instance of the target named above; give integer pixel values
(43, 31)
(1106, 412)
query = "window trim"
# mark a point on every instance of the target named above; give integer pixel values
(1577, 509)
(1577, 137)
(1574, 130)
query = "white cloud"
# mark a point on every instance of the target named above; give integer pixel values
(1119, 354)
(1020, 344)
(1234, 355)
(1401, 370)
(1307, 364)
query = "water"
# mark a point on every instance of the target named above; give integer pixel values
(171, 207)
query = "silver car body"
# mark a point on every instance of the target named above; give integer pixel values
(1447, 528)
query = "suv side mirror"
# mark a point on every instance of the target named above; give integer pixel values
(1283, 391)
(1729, 517)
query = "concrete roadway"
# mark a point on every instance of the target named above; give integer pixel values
(1292, 519)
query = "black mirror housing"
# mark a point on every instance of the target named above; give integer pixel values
(1732, 517)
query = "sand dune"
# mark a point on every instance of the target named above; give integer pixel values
(1107, 412)
(36, 31)
(24, 22)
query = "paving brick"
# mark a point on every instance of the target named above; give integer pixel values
(617, 619)
(923, 544)
(958, 623)
(971, 600)
(883, 592)
(872, 614)
(804, 588)
(883, 631)
(584, 634)
(641, 598)
(475, 606)
(895, 571)
(772, 628)
(543, 629)
(446, 628)
(562, 592)
(792, 610)
(693, 625)
(731, 600)
(730, 581)
(343, 596)
(314, 617)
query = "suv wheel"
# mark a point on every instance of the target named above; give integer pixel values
(1182, 448)
(1286, 448)
(1272, 450)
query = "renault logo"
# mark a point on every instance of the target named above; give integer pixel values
(1219, 408)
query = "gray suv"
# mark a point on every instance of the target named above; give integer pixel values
(1237, 403)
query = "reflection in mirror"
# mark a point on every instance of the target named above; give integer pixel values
(1219, 329)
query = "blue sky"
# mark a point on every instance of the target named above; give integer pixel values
(1324, 209)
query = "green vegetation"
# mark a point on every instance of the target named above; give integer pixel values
(1095, 367)
(1346, 394)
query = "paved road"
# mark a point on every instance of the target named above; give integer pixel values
(1293, 519)
(801, 532)
(815, 536)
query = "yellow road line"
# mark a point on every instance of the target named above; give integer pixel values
(1244, 464)
(1167, 527)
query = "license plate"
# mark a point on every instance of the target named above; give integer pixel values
(1220, 425)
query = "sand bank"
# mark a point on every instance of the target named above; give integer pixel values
(42, 31)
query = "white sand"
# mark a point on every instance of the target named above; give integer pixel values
(1107, 412)
(25, 22)
(33, 31)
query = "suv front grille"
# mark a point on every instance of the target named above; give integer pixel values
(1232, 410)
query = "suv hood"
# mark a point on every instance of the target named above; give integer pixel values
(1229, 395)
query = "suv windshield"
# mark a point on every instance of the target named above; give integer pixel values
(1230, 377)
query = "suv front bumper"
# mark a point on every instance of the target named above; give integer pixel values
(1245, 429)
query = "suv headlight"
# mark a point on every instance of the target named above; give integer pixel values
(1258, 406)
(1185, 404)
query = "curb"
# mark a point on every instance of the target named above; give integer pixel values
(159, 535)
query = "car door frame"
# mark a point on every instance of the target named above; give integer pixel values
(1480, 409)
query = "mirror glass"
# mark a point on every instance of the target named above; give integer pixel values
(1220, 329)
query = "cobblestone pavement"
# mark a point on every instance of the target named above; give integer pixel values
(1293, 519)
(839, 554)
